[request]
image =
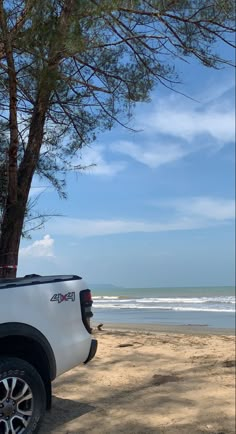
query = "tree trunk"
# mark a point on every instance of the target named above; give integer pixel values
(11, 229)
(20, 178)
(9, 239)
(13, 218)
(14, 213)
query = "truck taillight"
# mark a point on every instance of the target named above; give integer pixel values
(86, 304)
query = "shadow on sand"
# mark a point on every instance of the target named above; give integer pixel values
(62, 412)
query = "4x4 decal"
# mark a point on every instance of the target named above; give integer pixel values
(59, 298)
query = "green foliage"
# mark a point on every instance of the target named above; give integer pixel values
(96, 62)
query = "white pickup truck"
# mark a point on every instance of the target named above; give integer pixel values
(44, 331)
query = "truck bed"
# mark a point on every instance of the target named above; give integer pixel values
(35, 279)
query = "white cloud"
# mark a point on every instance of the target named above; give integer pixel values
(39, 248)
(38, 186)
(171, 129)
(177, 127)
(188, 214)
(190, 121)
(152, 155)
(208, 208)
(35, 191)
(89, 228)
(96, 155)
(219, 91)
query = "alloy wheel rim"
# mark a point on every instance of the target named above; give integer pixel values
(16, 405)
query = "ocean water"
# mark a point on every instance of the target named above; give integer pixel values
(209, 306)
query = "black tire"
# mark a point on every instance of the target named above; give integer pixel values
(22, 391)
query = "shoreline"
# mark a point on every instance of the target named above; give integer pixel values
(153, 317)
(188, 329)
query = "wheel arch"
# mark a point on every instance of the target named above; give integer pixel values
(28, 343)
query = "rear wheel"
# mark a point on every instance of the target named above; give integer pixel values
(22, 397)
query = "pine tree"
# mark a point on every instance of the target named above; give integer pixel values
(71, 68)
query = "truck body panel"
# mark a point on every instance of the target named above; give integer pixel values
(50, 304)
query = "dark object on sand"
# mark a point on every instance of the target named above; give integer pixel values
(162, 379)
(229, 363)
(125, 345)
(99, 327)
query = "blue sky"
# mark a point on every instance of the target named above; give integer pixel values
(159, 207)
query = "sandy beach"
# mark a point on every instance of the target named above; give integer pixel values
(149, 380)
